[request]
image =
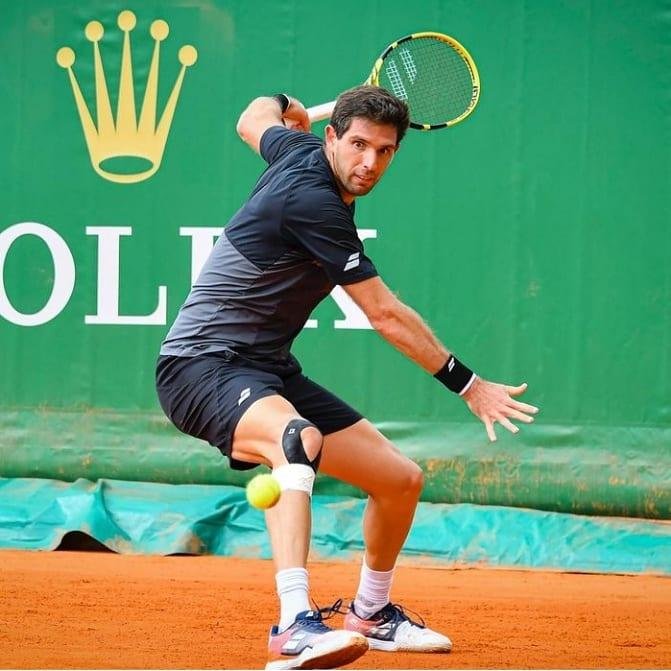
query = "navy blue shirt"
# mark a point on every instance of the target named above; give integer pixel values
(278, 257)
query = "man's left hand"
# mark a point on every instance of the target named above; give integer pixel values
(493, 402)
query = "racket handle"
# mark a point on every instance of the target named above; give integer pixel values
(321, 112)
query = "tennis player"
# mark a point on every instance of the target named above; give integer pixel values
(226, 373)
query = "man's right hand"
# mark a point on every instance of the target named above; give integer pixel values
(296, 116)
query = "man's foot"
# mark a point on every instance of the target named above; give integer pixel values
(392, 630)
(309, 644)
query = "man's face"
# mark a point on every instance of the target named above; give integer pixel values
(360, 157)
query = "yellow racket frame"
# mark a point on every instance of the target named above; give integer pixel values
(374, 77)
(323, 111)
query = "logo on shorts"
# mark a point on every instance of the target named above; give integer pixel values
(244, 395)
(352, 261)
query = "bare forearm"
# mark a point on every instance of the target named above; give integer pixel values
(491, 402)
(264, 112)
(260, 114)
(403, 328)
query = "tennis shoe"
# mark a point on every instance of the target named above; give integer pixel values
(309, 644)
(391, 630)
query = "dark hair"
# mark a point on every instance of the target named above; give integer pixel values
(373, 103)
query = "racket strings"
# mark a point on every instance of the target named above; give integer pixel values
(431, 77)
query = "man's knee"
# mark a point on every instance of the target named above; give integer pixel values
(312, 441)
(412, 480)
(302, 444)
(404, 483)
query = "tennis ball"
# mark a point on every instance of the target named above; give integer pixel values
(263, 491)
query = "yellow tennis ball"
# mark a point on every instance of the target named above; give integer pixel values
(263, 491)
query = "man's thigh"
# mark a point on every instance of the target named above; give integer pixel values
(259, 432)
(361, 456)
(353, 451)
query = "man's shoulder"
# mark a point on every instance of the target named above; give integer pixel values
(278, 142)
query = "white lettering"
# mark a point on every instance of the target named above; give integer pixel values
(64, 274)
(108, 282)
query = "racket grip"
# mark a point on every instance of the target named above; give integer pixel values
(321, 112)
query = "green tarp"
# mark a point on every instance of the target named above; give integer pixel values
(133, 517)
(590, 471)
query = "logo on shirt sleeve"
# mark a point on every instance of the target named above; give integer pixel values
(352, 261)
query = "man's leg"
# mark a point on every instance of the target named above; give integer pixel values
(268, 433)
(258, 438)
(360, 455)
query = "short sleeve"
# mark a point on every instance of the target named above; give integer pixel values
(330, 237)
(277, 141)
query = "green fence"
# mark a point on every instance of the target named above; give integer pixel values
(534, 238)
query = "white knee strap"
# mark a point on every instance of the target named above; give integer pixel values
(295, 476)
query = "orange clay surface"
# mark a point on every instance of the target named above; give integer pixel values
(100, 610)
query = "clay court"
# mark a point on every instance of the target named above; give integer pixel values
(103, 610)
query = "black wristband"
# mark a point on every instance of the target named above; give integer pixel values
(455, 376)
(283, 101)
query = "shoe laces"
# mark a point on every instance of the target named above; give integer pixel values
(328, 611)
(394, 612)
(334, 609)
(314, 620)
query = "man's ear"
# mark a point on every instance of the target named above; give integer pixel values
(330, 133)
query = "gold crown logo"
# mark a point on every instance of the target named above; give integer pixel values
(127, 137)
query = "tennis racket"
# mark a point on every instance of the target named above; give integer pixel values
(432, 73)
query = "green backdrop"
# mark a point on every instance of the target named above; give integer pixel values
(534, 238)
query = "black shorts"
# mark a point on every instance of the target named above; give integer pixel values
(205, 396)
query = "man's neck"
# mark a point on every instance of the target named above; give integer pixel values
(346, 196)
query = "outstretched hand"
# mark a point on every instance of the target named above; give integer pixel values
(493, 402)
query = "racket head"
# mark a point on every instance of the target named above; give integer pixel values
(434, 74)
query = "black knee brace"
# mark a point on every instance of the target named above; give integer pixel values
(292, 445)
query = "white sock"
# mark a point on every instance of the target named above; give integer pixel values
(292, 588)
(373, 592)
